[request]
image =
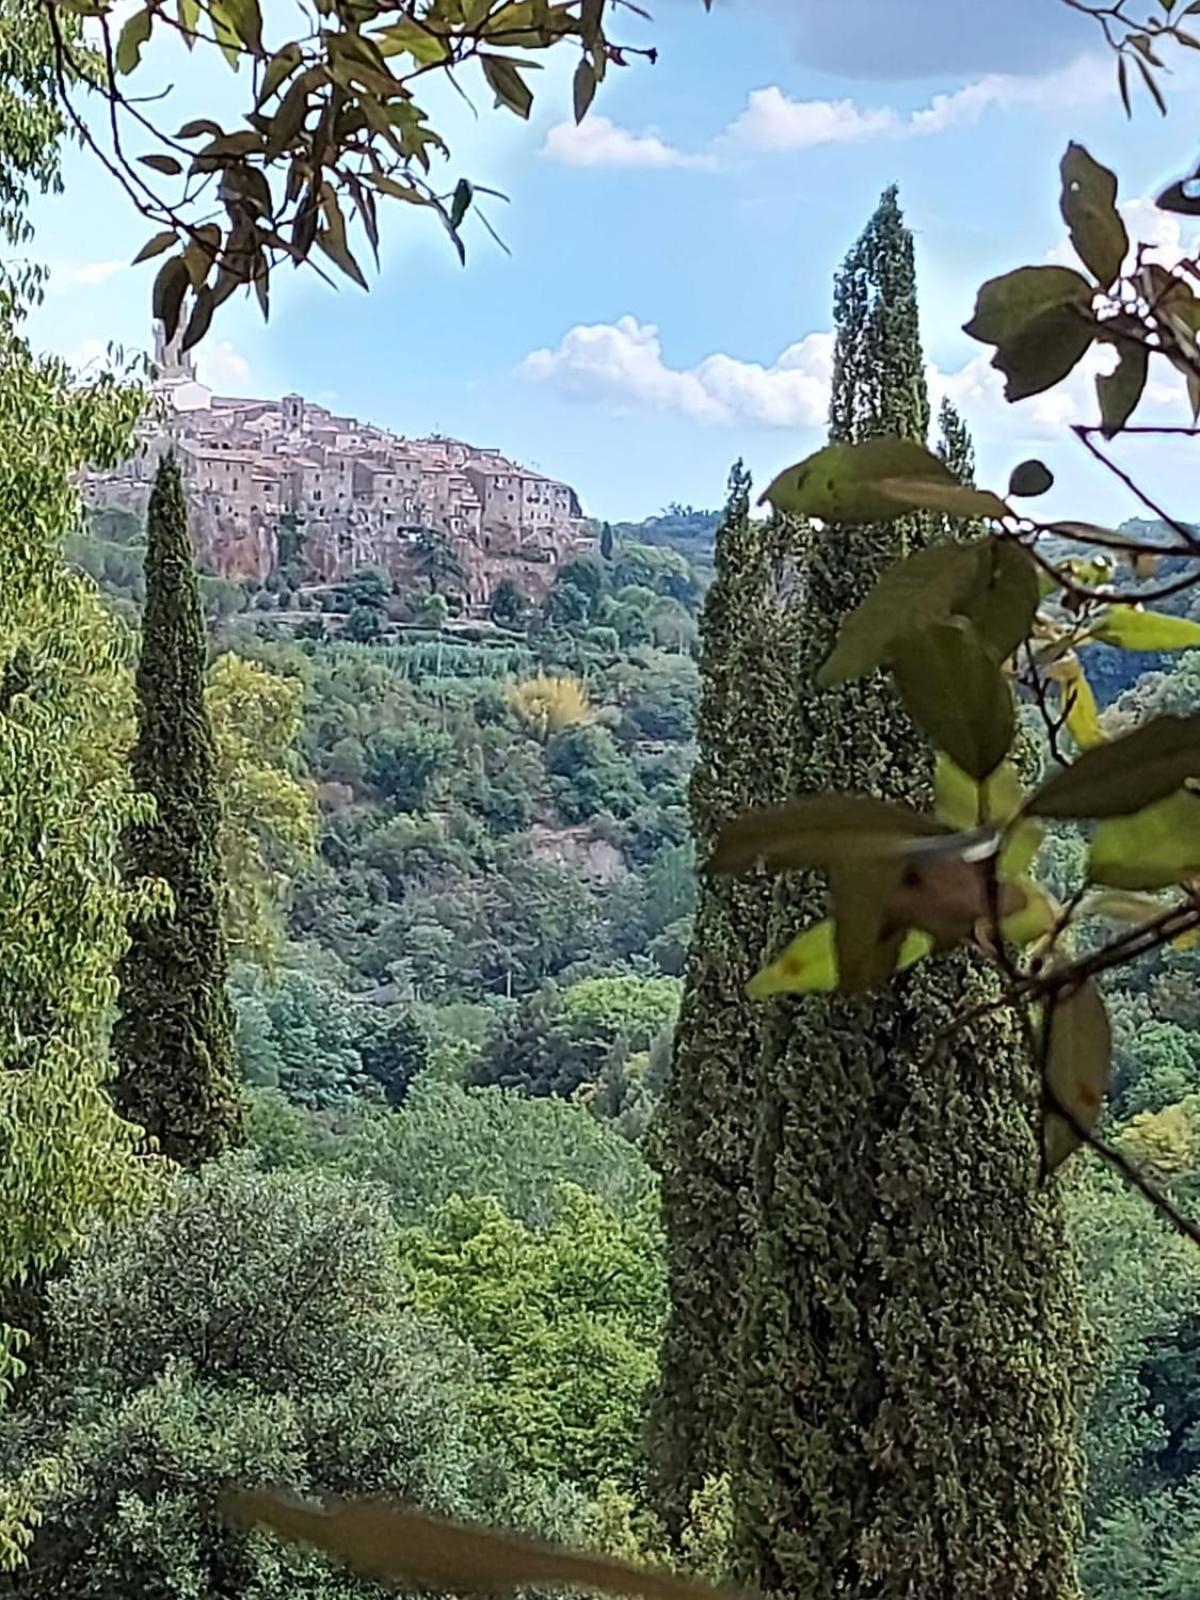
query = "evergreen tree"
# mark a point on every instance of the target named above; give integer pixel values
(174, 1038)
(702, 1143)
(907, 1423)
(954, 442)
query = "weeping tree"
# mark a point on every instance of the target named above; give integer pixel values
(174, 1039)
(907, 1420)
(702, 1142)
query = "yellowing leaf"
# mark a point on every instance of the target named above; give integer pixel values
(808, 965)
(1019, 850)
(842, 482)
(1131, 629)
(132, 37)
(1082, 713)
(1152, 849)
(1116, 905)
(1030, 921)
(956, 694)
(924, 588)
(404, 1548)
(1124, 775)
(1078, 1068)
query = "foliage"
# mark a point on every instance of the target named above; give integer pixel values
(569, 1317)
(333, 124)
(254, 1330)
(550, 704)
(173, 1039)
(268, 826)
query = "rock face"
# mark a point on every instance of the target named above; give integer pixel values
(269, 482)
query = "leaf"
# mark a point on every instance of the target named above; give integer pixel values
(1152, 849)
(1077, 1072)
(583, 88)
(1120, 777)
(1019, 850)
(956, 694)
(841, 483)
(817, 830)
(1089, 209)
(949, 899)
(332, 239)
(1120, 390)
(199, 126)
(1003, 608)
(955, 499)
(395, 1545)
(170, 286)
(154, 247)
(808, 965)
(463, 194)
(962, 803)
(201, 317)
(132, 37)
(1044, 352)
(1007, 305)
(866, 937)
(280, 67)
(1030, 478)
(1033, 920)
(924, 588)
(1082, 713)
(507, 84)
(1131, 629)
(188, 14)
(164, 164)
(1120, 905)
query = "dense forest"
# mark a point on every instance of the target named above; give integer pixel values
(433, 1069)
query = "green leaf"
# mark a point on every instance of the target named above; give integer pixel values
(187, 13)
(956, 694)
(1044, 352)
(1120, 390)
(954, 499)
(1078, 1069)
(1003, 606)
(1019, 850)
(924, 588)
(280, 67)
(164, 164)
(332, 239)
(507, 84)
(200, 126)
(1079, 705)
(404, 1548)
(1120, 777)
(867, 940)
(1034, 919)
(154, 247)
(132, 37)
(1089, 209)
(1152, 849)
(1131, 629)
(584, 88)
(808, 965)
(1007, 305)
(815, 831)
(842, 482)
(170, 286)
(463, 194)
(1030, 478)
(201, 317)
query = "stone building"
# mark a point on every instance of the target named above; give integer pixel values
(350, 494)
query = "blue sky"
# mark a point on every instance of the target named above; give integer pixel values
(665, 307)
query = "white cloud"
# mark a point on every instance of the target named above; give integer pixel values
(774, 123)
(599, 142)
(68, 275)
(621, 364)
(221, 368)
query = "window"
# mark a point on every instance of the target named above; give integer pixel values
(235, 483)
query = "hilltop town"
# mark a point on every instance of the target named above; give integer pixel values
(265, 476)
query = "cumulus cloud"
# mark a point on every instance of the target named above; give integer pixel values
(68, 275)
(220, 367)
(621, 364)
(774, 121)
(599, 142)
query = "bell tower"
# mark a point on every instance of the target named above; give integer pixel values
(174, 365)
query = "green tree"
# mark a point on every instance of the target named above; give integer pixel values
(912, 1303)
(566, 1318)
(702, 1143)
(65, 796)
(173, 1039)
(507, 605)
(255, 1328)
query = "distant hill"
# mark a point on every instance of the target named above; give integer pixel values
(687, 529)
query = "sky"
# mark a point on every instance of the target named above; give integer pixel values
(665, 306)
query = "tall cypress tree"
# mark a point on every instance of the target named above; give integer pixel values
(907, 1424)
(173, 1040)
(702, 1141)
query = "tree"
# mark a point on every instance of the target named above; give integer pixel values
(173, 1039)
(702, 1142)
(364, 625)
(268, 817)
(332, 124)
(567, 1317)
(257, 1329)
(876, 1351)
(606, 542)
(403, 763)
(507, 604)
(436, 561)
(64, 794)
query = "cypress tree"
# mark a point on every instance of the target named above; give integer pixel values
(174, 1040)
(702, 1141)
(907, 1424)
